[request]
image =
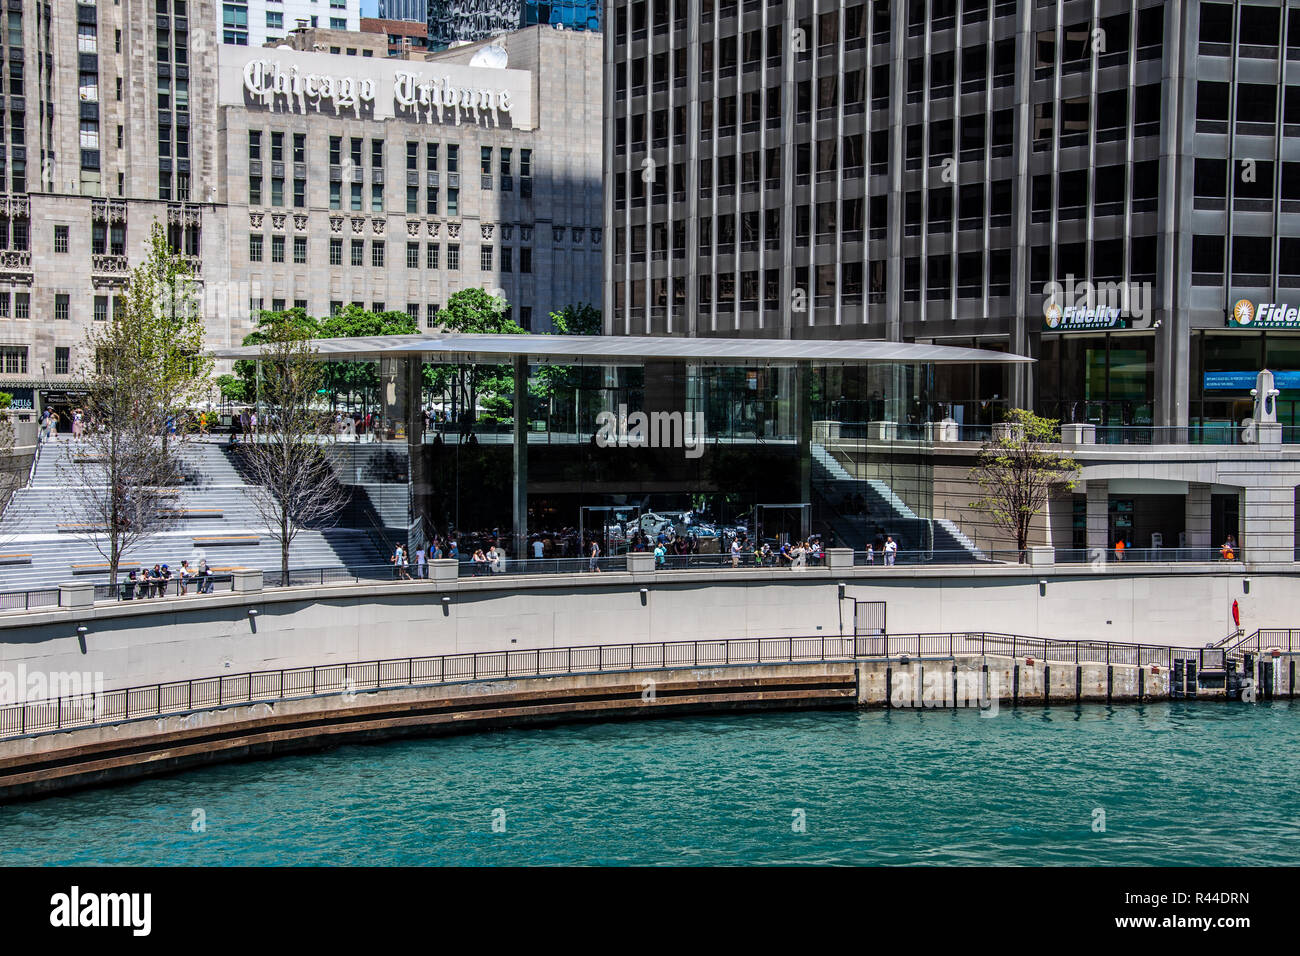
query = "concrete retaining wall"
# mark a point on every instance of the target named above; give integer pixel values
(200, 636)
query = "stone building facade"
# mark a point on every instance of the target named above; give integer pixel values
(112, 120)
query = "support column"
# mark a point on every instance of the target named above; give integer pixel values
(1098, 515)
(417, 471)
(1197, 516)
(519, 498)
(803, 424)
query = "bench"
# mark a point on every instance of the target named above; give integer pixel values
(191, 513)
(88, 568)
(81, 527)
(228, 542)
(15, 559)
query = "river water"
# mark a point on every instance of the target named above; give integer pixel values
(1167, 784)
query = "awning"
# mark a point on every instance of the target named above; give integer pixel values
(466, 348)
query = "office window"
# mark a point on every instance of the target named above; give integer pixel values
(453, 202)
(255, 190)
(14, 357)
(412, 200)
(336, 251)
(453, 257)
(431, 315)
(377, 197)
(507, 259)
(336, 150)
(62, 359)
(300, 249)
(61, 307)
(277, 249)
(431, 201)
(23, 310)
(300, 147)
(526, 260)
(377, 254)
(4, 303)
(336, 195)
(358, 252)
(453, 158)
(485, 258)
(412, 255)
(254, 248)
(413, 310)
(431, 255)
(60, 238)
(277, 147)
(431, 157)
(101, 308)
(356, 197)
(299, 194)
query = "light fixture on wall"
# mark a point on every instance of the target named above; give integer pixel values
(1042, 587)
(81, 630)
(645, 596)
(1245, 585)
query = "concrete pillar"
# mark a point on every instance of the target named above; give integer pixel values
(641, 562)
(519, 444)
(1197, 516)
(444, 569)
(247, 579)
(1098, 519)
(1040, 556)
(76, 595)
(1268, 525)
(839, 559)
(1078, 433)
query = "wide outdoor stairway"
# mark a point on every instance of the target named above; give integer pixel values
(883, 511)
(209, 514)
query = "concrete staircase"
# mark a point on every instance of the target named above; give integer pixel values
(211, 503)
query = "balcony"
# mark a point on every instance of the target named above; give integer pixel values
(16, 266)
(109, 270)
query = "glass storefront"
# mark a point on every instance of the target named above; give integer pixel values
(1224, 365)
(1106, 379)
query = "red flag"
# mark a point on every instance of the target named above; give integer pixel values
(1236, 614)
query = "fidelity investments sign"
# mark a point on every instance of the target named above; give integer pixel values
(1267, 315)
(293, 81)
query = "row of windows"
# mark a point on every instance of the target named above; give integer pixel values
(431, 310)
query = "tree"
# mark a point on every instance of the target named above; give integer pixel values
(561, 386)
(293, 485)
(121, 467)
(476, 311)
(163, 309)
(577, 320)
(1018, 472)
(232, 388)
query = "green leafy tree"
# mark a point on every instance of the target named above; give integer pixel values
(163, 309)
(231, 388)
(560, 387)
(476, 311)
(1018, 473)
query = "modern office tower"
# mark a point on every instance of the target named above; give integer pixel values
(258, 22)
(565, 14)
(110, 126)
(967, 173)
(466, 21)
(417, 10)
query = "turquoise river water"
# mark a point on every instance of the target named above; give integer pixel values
(1178, 783)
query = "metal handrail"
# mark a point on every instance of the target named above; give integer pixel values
(179, 697)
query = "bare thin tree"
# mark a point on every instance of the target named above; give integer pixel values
(293, 485)
(120, 471)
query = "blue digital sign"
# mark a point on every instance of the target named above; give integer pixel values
(1245, 381)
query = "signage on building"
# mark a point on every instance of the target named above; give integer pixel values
(22, 398)
(296, 81)
(1076, 318)
(1264, 315)
(1245, 381)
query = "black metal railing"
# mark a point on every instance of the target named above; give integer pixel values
(178, 697)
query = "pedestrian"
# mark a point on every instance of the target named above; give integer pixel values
(594, 563)
(54, 426)
(891, 550)
(205, 577)
(735, 552)
(78, 423)
(421, 565)
(479, 560)
(538, 547)
(871, 553)
(493, 560)
(1119, 548)
(661, 555)
(185, 573)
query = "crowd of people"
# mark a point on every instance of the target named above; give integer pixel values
(154, 582)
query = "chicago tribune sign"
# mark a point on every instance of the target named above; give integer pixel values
(296, 81)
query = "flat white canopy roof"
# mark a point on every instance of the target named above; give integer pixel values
(455, 347)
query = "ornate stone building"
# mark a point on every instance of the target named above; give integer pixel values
(114, 117)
